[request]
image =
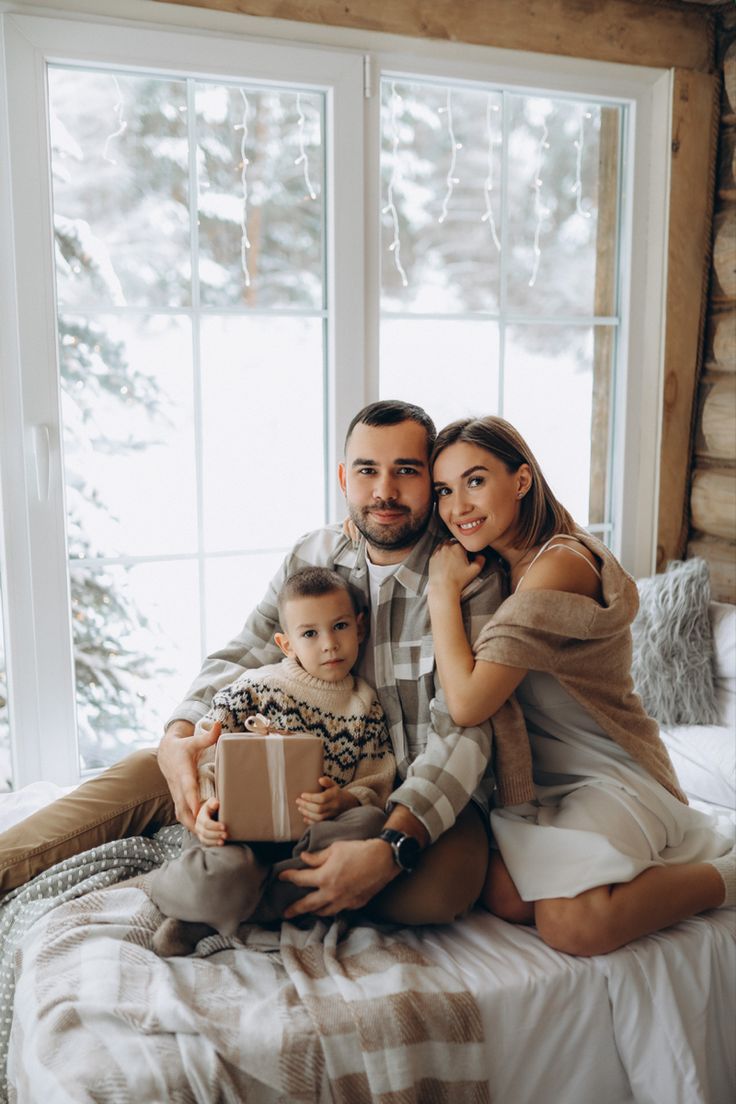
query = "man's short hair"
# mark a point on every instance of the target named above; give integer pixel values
(313, 582)
(388, 412)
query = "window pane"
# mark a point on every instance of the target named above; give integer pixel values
(128, 426)
(6, 766)
(260, 181)
(121, 201)
(235, 586)
(448, 366)
(440, 192)
(263, 431)
(191, 426)
(562, 189)
(136, 648)
(548, 397)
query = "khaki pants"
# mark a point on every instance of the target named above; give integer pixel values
(132, 799)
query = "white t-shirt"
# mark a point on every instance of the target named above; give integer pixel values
(377, 574)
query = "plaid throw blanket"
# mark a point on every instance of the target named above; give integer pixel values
(317, 1014)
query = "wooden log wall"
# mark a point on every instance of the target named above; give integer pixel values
(713, 483)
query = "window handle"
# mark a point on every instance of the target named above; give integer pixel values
(42, 457)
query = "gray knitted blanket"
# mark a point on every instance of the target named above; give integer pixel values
(91, 870)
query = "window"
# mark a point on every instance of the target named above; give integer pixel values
(498, 269)
(205, 284)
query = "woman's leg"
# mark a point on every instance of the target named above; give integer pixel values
(128, 799)
(606, 918)
(501, 897)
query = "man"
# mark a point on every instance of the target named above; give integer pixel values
(433, 836)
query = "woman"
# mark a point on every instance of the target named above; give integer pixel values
(596, 845)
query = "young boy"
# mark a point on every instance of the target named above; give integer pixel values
(311, 689)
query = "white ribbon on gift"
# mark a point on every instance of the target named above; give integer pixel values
(276, 766)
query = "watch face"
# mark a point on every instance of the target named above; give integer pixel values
(408, 852)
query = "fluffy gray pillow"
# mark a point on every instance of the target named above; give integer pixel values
(673, 645)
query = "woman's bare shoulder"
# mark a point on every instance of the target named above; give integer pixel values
(566, 565)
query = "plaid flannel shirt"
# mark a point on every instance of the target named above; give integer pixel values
(441, 766)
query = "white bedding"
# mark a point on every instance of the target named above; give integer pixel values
(15, 807)
(649, 1024)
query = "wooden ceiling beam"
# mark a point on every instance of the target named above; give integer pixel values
(631, 32)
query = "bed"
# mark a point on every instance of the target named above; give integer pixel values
(477, 1011)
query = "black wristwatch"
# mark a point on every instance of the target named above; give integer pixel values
(405, 849)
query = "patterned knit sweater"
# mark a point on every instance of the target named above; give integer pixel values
(346, 714)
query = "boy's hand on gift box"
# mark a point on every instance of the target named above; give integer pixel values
(327, 804)
(208, 830)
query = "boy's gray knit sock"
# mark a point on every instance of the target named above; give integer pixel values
(178, 937)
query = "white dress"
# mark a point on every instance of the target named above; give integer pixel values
(599, 817)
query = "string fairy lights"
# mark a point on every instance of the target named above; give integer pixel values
(122, 126)
(540, 211)
(578, 185)
(390, 207)
(491, 109)
(302, 158)
(451, 180)
(545, 116)
(242, 126)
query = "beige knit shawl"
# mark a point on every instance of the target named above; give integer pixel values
(587, 648)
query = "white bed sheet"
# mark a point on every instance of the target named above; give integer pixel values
(547, 1017)
(652, 1022)
(19, 804)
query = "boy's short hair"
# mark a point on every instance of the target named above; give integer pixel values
(313, 582)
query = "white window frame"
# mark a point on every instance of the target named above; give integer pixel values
(36, 599)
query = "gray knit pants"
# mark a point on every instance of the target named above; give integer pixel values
(225, 886)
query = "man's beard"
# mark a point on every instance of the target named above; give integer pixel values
(403, 533)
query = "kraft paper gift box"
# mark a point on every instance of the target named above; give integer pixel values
(258, 779)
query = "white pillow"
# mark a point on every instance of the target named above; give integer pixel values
(704, 757)
(723, 622)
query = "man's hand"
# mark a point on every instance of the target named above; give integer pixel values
(344, 876)
(209, 831)
(327, 804)
(178, 754)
